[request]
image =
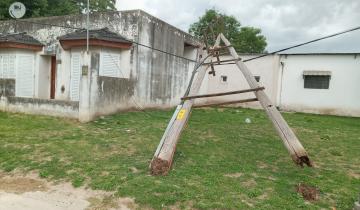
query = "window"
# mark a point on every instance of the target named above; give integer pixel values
(110, 65)
(257, 78)
(317, 79)
(316, 82)
(223, 78)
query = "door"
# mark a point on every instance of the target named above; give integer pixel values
(24, 84)
(75, 76)
(52, 77)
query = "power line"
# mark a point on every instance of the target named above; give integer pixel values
(134, 42)
(305, 43)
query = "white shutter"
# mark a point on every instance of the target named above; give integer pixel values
(7, 66)
(75, 76)
(109, 65)
(24, 85)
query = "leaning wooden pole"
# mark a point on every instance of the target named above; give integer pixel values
(163, 157)
(291, 142)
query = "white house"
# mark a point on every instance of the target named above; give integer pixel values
(118, 73)
(320, 83)
(323, 83)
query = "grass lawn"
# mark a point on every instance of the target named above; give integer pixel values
(220, 163)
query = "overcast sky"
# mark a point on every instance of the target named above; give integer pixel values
(283, 22)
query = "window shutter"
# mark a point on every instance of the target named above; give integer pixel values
(75, 77)
(7, 66)
(24, 85)
(110, 65)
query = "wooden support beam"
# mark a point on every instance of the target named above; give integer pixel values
(221, 61)
(163, 157)
(227, 103)
(223, 93)
(291, 142)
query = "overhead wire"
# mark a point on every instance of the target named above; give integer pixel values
(304, 43)
(199, 63)
(132, 41)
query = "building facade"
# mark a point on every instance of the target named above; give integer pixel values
(115, 75)
(320, 83)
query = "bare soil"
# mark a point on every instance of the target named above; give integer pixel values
(18, 192)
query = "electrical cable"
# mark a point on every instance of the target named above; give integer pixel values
(134, 42)
(304, 43)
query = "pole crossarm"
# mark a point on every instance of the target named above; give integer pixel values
(223, 93)
(221, 61)
(227, 103)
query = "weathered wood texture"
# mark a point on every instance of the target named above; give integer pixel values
(162, 161)
(163, 157)
(223, 93)
(291, 142)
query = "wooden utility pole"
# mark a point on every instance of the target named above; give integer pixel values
(163, 157)
(291, 142)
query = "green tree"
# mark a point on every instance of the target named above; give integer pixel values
(44, 8)
(244, 39)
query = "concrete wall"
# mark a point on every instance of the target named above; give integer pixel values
(7, 87)
(266, 68)
(161, 78)
(40, 106)
(156, 79)
(343, 95)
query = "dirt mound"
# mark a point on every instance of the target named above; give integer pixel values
(308, 193)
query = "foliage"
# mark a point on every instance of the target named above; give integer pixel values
(244, 39)
(221, 162)
(44, 8)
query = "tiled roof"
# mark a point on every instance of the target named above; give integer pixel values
(100, 34)
(21, 38)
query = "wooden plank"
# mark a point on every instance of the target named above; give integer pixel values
(223, 93)
(221, 61)
(227, 103)
(163, 157)
(291, 142)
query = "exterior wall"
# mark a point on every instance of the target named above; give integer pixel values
(266, 68)
(161, 78)
(342, 97)
(40, 106)
(156, 79)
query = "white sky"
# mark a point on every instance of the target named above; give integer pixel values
(283, 22)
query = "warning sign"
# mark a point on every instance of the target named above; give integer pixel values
(181, 114)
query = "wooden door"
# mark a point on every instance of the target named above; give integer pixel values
(52, 77)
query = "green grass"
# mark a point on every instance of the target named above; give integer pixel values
(113, 154)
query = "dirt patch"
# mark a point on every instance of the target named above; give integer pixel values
(234, 175)
(249, 183)
(308, 193)
(21, 185)
(18, 192)
(353, 174)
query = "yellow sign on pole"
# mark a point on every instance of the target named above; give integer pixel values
(181, 114)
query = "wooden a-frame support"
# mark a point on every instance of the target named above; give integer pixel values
(163, 157)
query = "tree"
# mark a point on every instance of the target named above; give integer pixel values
(44, 8)
(244, 39)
